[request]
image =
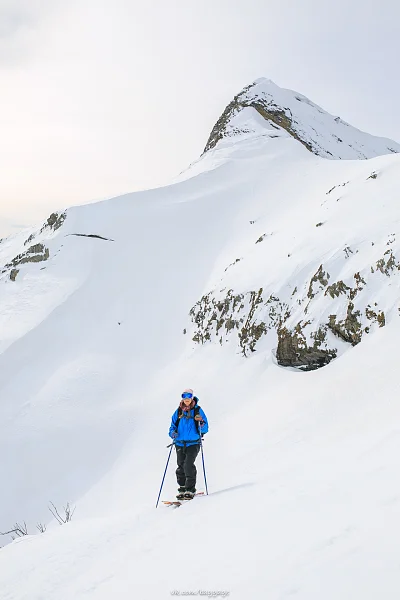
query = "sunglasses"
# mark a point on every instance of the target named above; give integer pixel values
(187, 395)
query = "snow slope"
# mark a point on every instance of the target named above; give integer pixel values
(302, 467)
(307, 506)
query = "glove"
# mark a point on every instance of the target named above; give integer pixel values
(174, 435)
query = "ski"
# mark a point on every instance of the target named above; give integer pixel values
(180, 502)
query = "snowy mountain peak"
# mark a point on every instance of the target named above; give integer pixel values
(264, 109)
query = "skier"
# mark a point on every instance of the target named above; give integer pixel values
(188, 424)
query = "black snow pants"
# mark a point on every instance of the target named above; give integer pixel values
(186, 471)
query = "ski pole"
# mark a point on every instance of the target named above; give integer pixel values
(204, 468)
(166, 467)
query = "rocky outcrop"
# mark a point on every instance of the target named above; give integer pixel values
(348, 329)
(266, 108)
(294, 351)
(35, 254)
(387, 263)
(219, 130)
(307, 322)
(247, 315)
(55, 221)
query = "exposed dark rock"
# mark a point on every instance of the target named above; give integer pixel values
(293, 350)
(359, 280)
(13, 274)
(336, 186)
(232, 264)
(54, 221)
(237, 314)
(375, 317)
(321, 277)
(348, 329)
(276, 115)
(386, 266)
(347, 250)
(335, 289)
(30, 238)
(34, 254)
(271, 112)
(36, 249)
(339, 287)
(391, 240)
(251, 332)
(219, 129)
(250, 335)
(360, 283)
(231, 324)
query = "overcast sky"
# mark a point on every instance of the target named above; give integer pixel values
(103, 97)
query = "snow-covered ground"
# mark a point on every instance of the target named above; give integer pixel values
(304, 495)
(302, 467)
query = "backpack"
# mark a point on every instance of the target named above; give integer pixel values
(196, 412)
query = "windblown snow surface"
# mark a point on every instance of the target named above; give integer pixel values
(302, 467)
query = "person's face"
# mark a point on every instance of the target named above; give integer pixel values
(187, 401)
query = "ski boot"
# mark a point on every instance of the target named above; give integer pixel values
(181, 493)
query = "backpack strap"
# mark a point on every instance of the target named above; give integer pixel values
(179, 415)
(196, 412)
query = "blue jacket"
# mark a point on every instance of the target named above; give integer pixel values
(187, 427)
